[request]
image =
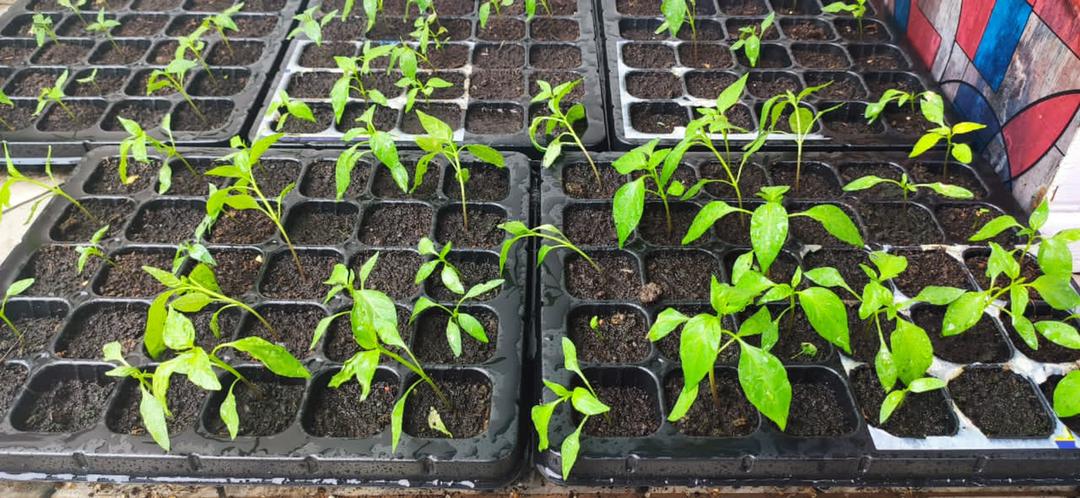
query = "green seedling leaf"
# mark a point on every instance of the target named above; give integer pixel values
(765, 383)
(276, 358)
(628, 205)
(1067, 395)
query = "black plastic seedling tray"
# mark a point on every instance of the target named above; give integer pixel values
(735, 444)
(147, 38)
(95, 434)
(493, 70)
(657, 81)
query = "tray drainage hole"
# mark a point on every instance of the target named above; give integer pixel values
(864, 464)
(747, 463)
(632, 461)
(312, 463)
(428, 463)
(980, 463)
(80, 460)
(194, 462)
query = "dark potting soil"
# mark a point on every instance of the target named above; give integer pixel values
(815, 58)
(265, 407)
(92, 328)
(283, 280)
(771, 57)
(501, 29)
(733, 417)
(735, 227)
(807, 29)
(37, 329)
(27, 83)
(619, 336)
(67, 405)
(449, 56)
(653, 85)
(654, 228)
(883, 191)
(852, 123)
(1000, 403)
(273, 175)
(105, 180)
(494, 119)
(140, 26)
(976, 263)
(483, 232)
(846, 262)
(809, 231)
(486, 183)
(705, 56)
(430, 345)
(634, 412)
(311, 84)
(53, 269)
(185, 402)
(842, 86)
(188, 182)
(83, 115)
(62, 54)
(920, 415)
(681, 275)
(126, 278)
(657, 117)
(931, 268)
(956, 175)
(320, 180)
(579, 181)
(797, 334)
(816, 181)
(499, 56)
(648, 56)
(765, 85)
(708, 85)
(12, 376)
(17, 117)
(166, 222)
(589, 225)
(236, 270)
(555, 56)
(398, 225)
(215, 115)
(1048, 387)
(241, 227)
(960, 222)
(146, 114)
(222, 84)
(292, 327)
(242, 53)
(448, 113)
(555, 29)
(743, 7)
(466, 416)
(816, 410)
(871, 30)
(1048, 352)
(319, 224)
(337, 413)
(904, 122)
(982, 343)
(899, 224)
(496, 85)
(393, 273)
(751, 179)
(619, 279)
(864, 337)
(323, 56)
(473, 269)
(73, 225)
(637, 8)
(880, 60)
(341, 345)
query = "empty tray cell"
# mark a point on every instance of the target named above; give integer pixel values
(148, 114)
(849, 119)
(396, 224)
(933, 267)
(219, 82)
(14, 51)
(63, 398)
(496, 85)
(653, 85)
(166, 221)
(76, 225)
(961, 221)
(501, 29)
(705, 55)
(841, 85)
(878, 57)
(126, 277)
(205, 115)
(619, 277)
(316, 56)
(808, 180)
(52, 267)
(236, 270)
(69, 52)
(324, 120)
(658, 117)
(1001, 403)
(241, 227)
(743, 7)
(765, 84)
(709, 84)
(335, 412)
(983, 343)
(678, 275)
(97, 323)
(632, 395)
(796, 7)
(320, 180)
(125, 52)
(807, 29)
(548, 29)
(619, 336)
(499, 56)
(555, 56)
(589, 224)
(878, 82)
(29, 82)
(900, 224)
(648, 55)
(866, 30)
(820, 56)
(383, 185)
(301, 278)
(317, 223)
(494, 119)
(821, 405)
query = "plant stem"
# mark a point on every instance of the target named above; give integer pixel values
(7, 321)
(6, 124)
(416, 369)
(570, 130)
(67, 110)
(948, 150)
(798, 162)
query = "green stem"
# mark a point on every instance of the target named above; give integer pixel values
(6, 124)
(948, 150)
(7, 321)
(60, 192)
(567, 244)
(67, 109)
(416, 369)
(570, 130)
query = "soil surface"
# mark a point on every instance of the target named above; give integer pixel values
(555, 29)
(501, 29)
(816, 181)
(467, 414)
(166, 222)
(648, 56)
(657, 117)
(681, 275)
(634, 412)
(899, 224)
(842, 86)
(341, 345)
(101, 324)
(653, 227)
(619, 279)
(483, 232)
(448, 113)
(1000, 403)
(795, 332)
(396, 225)
(336, 412)
(73, 225)
(960, 222)
(494, 119)
(920, 415)
(12, 377)
(653, 85)
(817, 57)
(282, 280)
(393, 273)
(733, 417)
(845, 261)
(931, 268)
(708, 85)
(126, 278)
(320, 180)
(705, 56)
(817, 411)
(38, 328)
(807, 29)
(579, 181)
(83, 115)
(321, 224)
(236, 270)
(185, 402)
(106, 178)
(292, 327)
(619, 336)
(54, 271)
(265, 407)
(241, 227)
(883, 191)
(956, 175)
(982, 343)
(67, 404)
(431, 347)
(590, 225)
(486, 183)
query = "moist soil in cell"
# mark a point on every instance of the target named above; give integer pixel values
(706, 84)
(292, 326)
(904, 122)
(12, 377)
(67, 405)
(815, 181)
(652, 56)
(448, 56)
(54, 270)
(321, 182)
(399, 225)
(816, 410)
(393, 273)
(634, 412)
(473, 270)
(841, 87)
(126, 53)
(185, 402)
(466, 416)
(242, 54)
(241, 227)
(637, 8)
(126, 278)
(37, 329)
(17, 117)
(961, 222)
(653, 85)
(680, 275)
(1000, 403)
(336, 412)
(221, 85)
(799, 343)
(431, 346)
(486, 183)
(807, 30)
(817, 58)
(106, 178)
(579, 181)
(765, 85)
(871, 31)
(654, 229)
(283, 280)
(1048, 352)
(920, 415)
(851, 124)
(743, 7)
(494, 119)
(74, 226)
(617, 280)
(705, 55)
(955, 175)
(61, 54)
(879, 60)
(619, 336)
(846, 262)
(448, 113)
(659, 118)
(750, 179)
(734, 416)
(236, 270)
(316, 225)
(501, 29)
(499, 56)
(555, 56)
(82, 115)
(735, 227)
(555, 29)
(899, 224)
(104, 323)
(483, 231)
(323, 56)
(590, 225)
(496, 85)
(341, 345)
(927, 268)
(265, 408)
(165, 223)
(982, 343)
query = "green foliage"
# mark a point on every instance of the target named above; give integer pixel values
(459, 320)
(41, 26)
(91, 249)
(368, 140)
(222, 22)
(549, 233)
(373, 320)
(194, 43)
(584, 400)
(352, 78)
(874, 109)
(173, 76)
(135, 145)
(857, 9)
(104, 26)
(17, 287)
(558, 125)
(449, 275)
(410, 80)
(933, 109)
(14, 176)
(801, 119)
(909, 187)
(629, 201)
(488, 5)
(5, 100)
(1067, 395)
(425, 33)
(283, 107)
(54, 93)
(311, 27)
(75, 6)
(750, 39)
(439, 142)
(676, 13)
(244, 192)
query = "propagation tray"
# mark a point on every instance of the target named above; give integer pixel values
(657, 82)
(753, 450)
(147, 40)
(511, 52)
(107, 443)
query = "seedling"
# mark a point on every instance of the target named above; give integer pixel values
(352, 78)
(530, 8)
(550, 233)
(187, 294)
(584, 400)
(41, 26)
(676, 13)
(439, 142)
(412, 83)
(769, 223)
(244, 193)
(1054, 285)
(14, 176)
(559, 125)
(629, 201)
(425, 35)
(197, 364)
(75, 6)
(193, 248)
(594, 324)
(90, 79)
(195, 44)
(374, 324)
(908, 187)
(933, 109)
(4, 100)
(379, 144)
(807, 350)
(449, 275)
(173, 76)
(284, 107)
(857, 9)
(496, 5)
(874, 109)
(104, 26)
(17, 287)
(310, 26)
(222, 22)
(135, 146)
(801, 121)
(750, 39)
(92, 249)
(55, 93)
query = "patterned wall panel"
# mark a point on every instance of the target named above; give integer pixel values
(1013, 65)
